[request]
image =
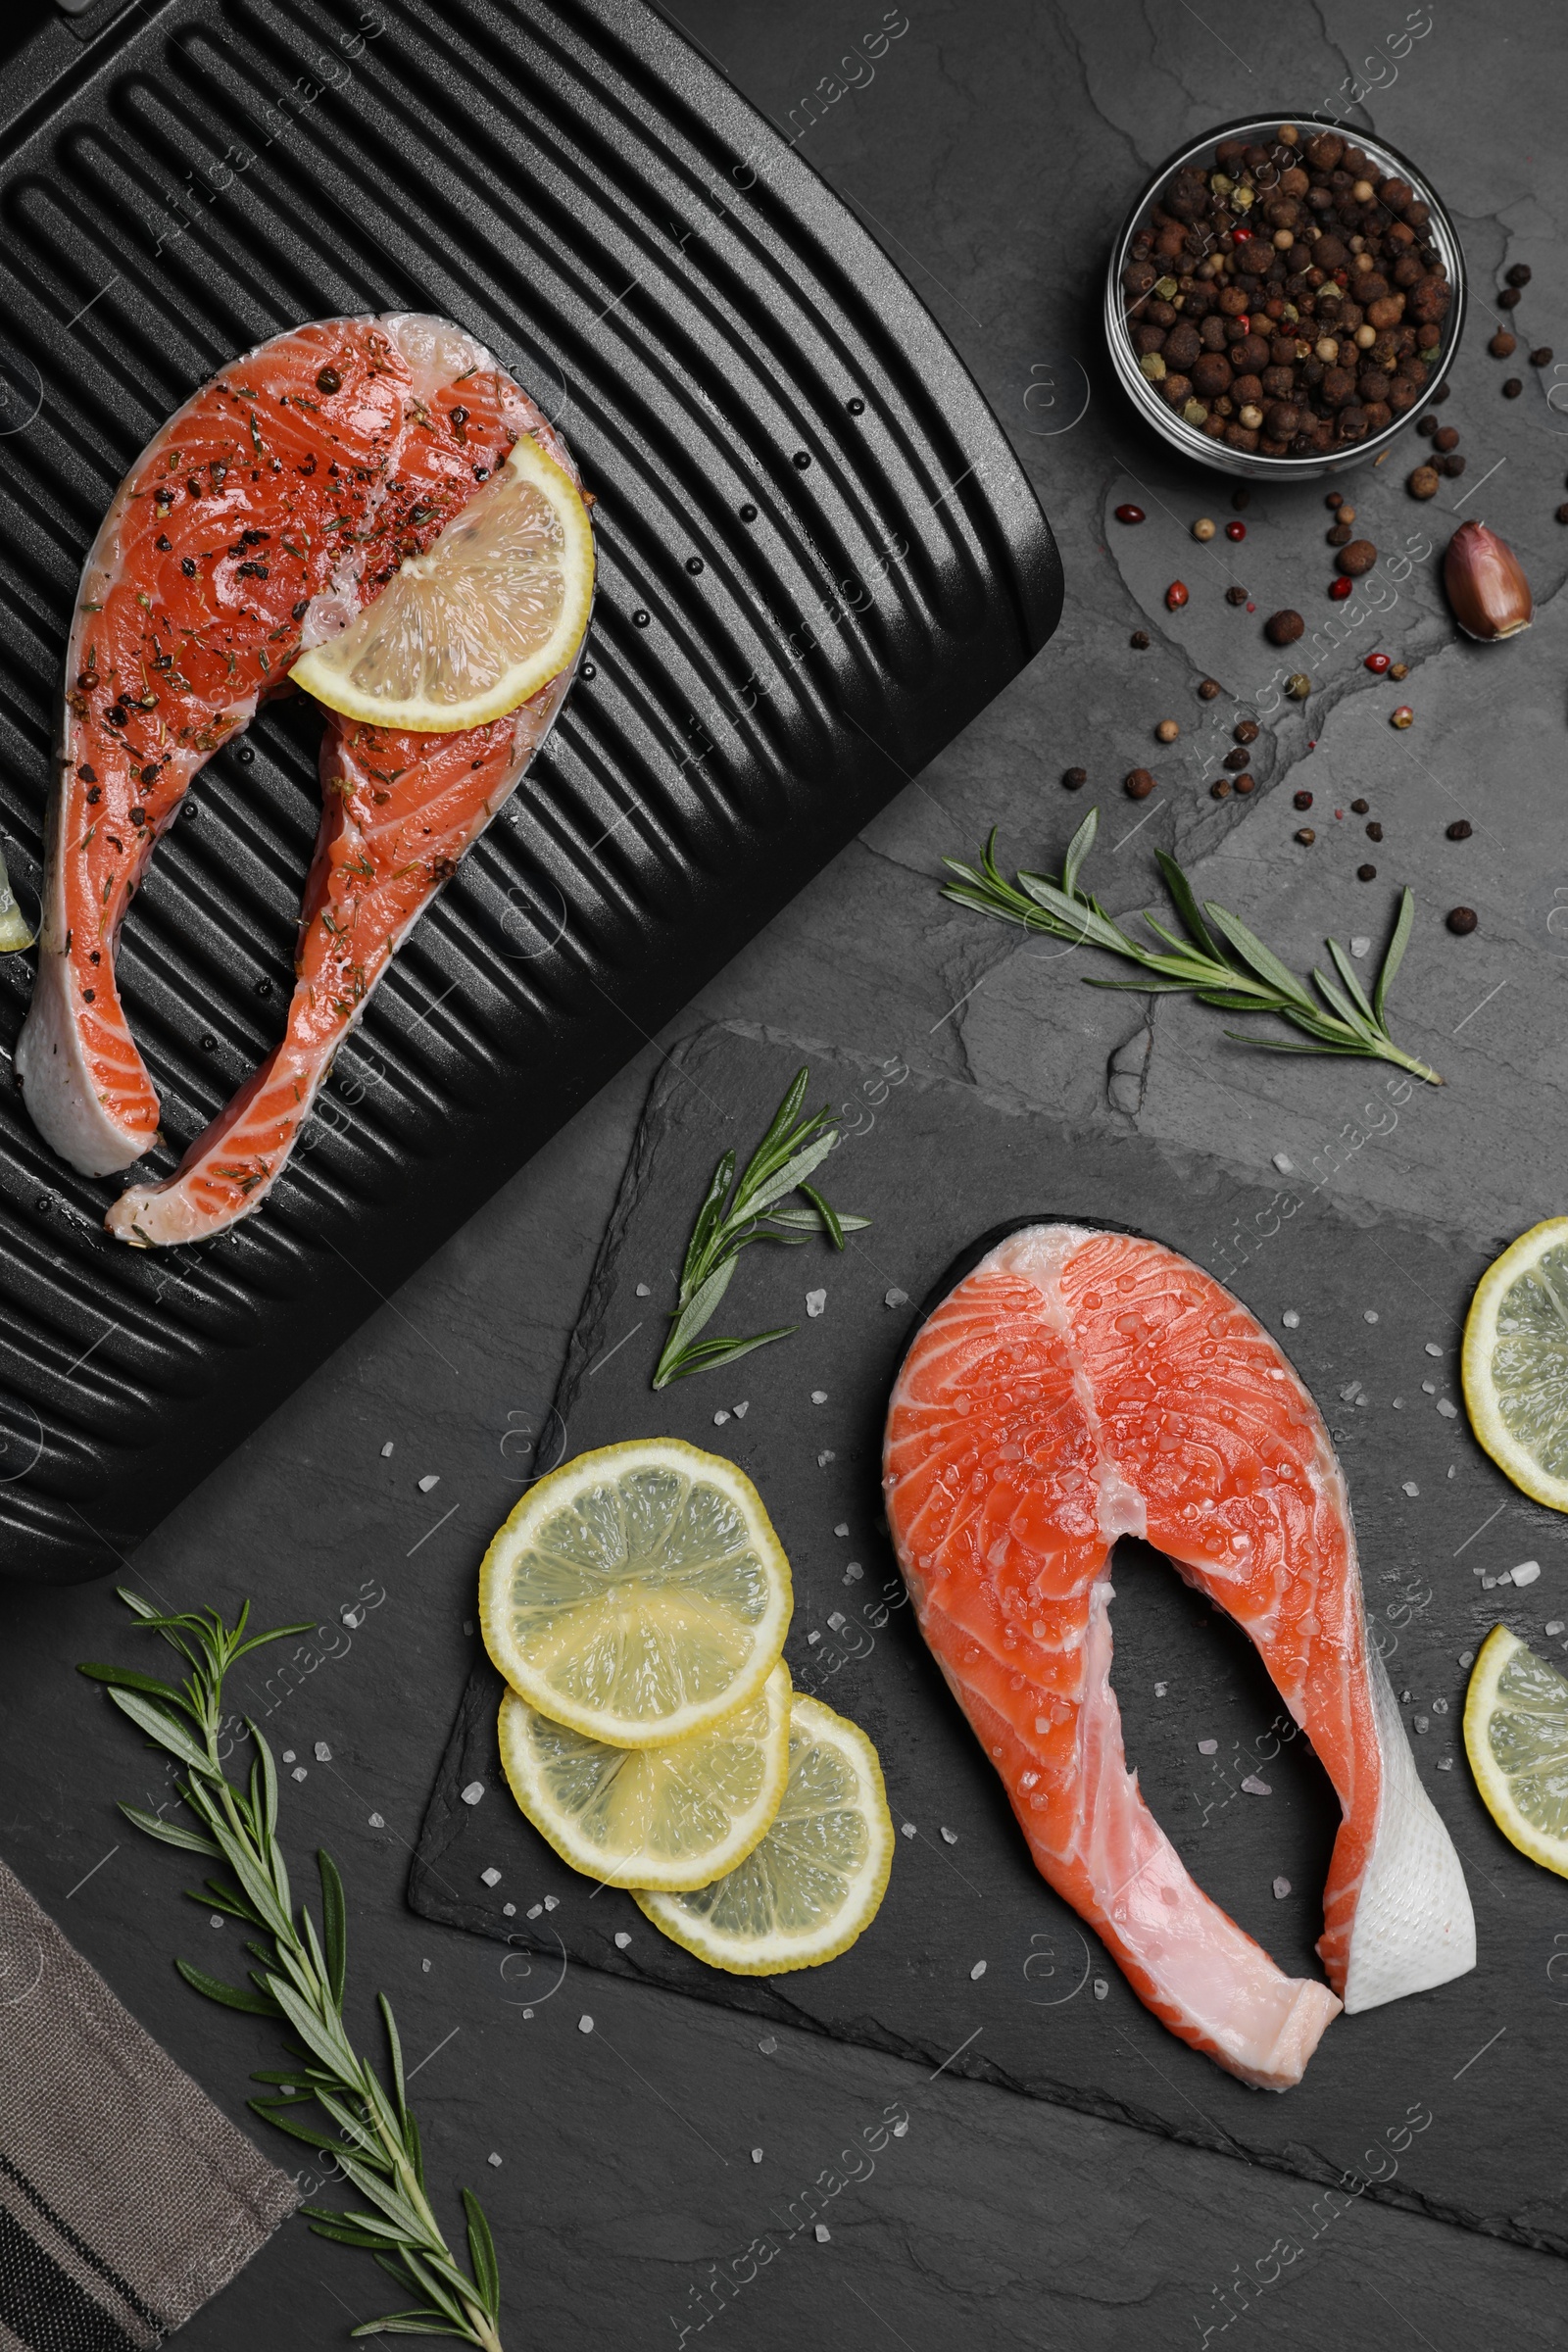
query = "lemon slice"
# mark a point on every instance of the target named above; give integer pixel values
(464, 633)
(1516, 1737)
(667, 1817)
(1515, 1362)
(818, 1878)
(637, 1593)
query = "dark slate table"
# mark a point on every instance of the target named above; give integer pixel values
(993, 150)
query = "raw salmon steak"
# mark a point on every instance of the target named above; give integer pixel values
(1081, 1385)
(259, 521)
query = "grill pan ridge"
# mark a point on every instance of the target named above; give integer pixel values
(693, 306)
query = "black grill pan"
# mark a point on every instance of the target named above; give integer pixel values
(818, 559)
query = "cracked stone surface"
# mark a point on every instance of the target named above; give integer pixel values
(994, 151)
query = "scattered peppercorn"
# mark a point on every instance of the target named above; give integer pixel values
(1562, 513)
(329, 380)
(1399, 669)
(1140, 784)
(1508, 299)
(1357, 558)
(1246, 784)
(1446, 437)
(1359, 808)
(1513, 387)
(1453, 466)
(1236, 530)
(1207, 689)
(1075, 778)
(1245, 730)
(1339, 536)
(1427, 425)
(1220, 788)
(1302, 800)
(1366, 874)
(1129, 513)
(1377, 664)
(1460, 829)
(1139, 641)
(1502, 345)
(1441, 395)
(1462, 920)
(1176, 596)
(1235, 593)
(1167, 730)
(1284, 627)
(1403, 717)
(1307, 837)
(1334, 501)
(1423, 483)
(1298, 686)
(1519, 274)
(1203, 527)
(1542, 357)
(1339, 589)
(1241, 500)
(1374, 831)
(1236, 759)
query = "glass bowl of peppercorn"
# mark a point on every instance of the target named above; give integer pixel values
(1283, 297)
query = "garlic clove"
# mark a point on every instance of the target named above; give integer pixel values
(1486, 584)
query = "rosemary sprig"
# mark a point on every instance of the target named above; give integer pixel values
(300, 1980)
(1235, 971)
(733, 1215)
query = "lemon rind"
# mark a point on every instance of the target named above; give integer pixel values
(1490, 1431)
(557, 1489)
(317, 675)
(705, 1869)
(778, 1956)
(1491, 1782)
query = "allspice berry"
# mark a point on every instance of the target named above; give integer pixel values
(1236, 594)
(1513, 387)
(1208, 688)
(1357, 558)
(1075, 778)
(1301, 799)
(1542, 357)
(1140, 784)
(1167, 730)
(1220, 788)
(1366, 874)
(1339, 536)
(1502, 345)
(1307, 837)
(1246, 784)
(1284, 627)
(1245, 730)
(1445, 437)
(1359, 807)
(1423, 483)
(1374, 831)
(1460, 829)
(1139, 641)
(1462, 920)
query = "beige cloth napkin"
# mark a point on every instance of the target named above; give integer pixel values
(126, 2198)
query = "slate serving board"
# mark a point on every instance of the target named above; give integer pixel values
(1449, 2102)
(818, 559)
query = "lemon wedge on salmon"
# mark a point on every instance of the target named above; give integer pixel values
(671, 1817)
(1515, 1362)
(492, 612)
(637, 1593)
(817, 1879)
(1516, 1737)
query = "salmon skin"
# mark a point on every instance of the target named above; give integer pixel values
(258, 523)
(1080, 1384)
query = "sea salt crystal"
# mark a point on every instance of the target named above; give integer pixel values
(1429, 1388)
(1433, 1348)
(1397, 1403)
(387, 1448)
(897, 1298)
(1256, 1788)
(1100, 1989)
(467, 1629)
(1467, 1657)
(324, 1754)
(298, 1773)
(1370, 1315)
(1360, 945)
(492, 2158)
(819, 1395)
(376, 1822)
(898, 2129)
(813, 1635)
(825, 1457)
(622, 1940)
(551, 1902)
(741, 1411)
(908, 1829)
(756, 2155)
(424, 1967)
(1423, 1723)
(1448, 1408)
(852, 1572)
(1440, 1706)
(215, 1919)
(1159, 1690)
(490, 1877)
(585, 2024)
(949, 1836)
(822, 2233)
(1445, 1763)
(509, 1910)
(431, 1479)
(1209, 1748)
(719, 1420)
(843, 1528)
(1284, 1163)
(534, 1910)
(1554, 1625)
(473, 1791)
(1409, 1487)
(837, 1620)
(1527, 1572)
(768, 2045)
(288, 1755)
(643, 1292)
(1489, 1584)
(1291, 1319)
(1281, 1887)
(815, 1302)
(977, 1972)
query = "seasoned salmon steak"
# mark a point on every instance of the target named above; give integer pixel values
(259, 523)
(1080, 1385)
